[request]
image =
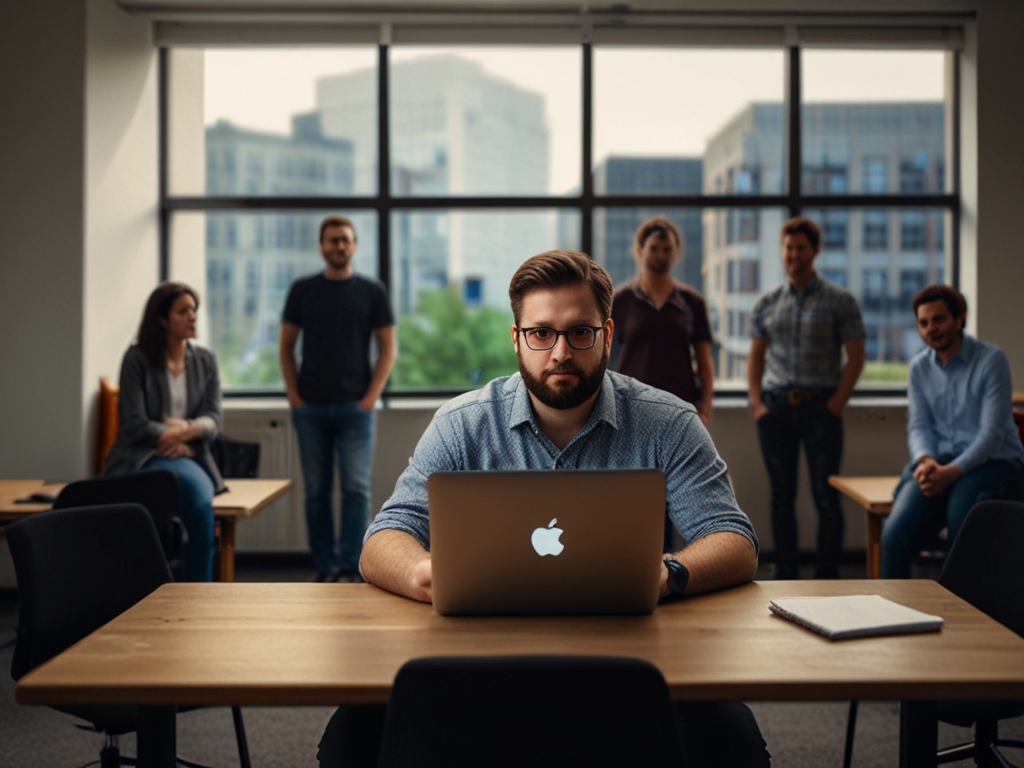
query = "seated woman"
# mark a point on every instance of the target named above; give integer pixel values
(170, 411)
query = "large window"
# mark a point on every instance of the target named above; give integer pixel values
(458, 162)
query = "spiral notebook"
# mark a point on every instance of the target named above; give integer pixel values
(846, 616)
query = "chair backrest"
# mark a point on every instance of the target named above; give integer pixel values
(77, 569)
(529, 710)
(235, 458)
(985, 566)
(109, 421)
(155, 489)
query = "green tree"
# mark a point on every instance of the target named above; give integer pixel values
(447, 344)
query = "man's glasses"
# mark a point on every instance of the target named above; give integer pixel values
(579, 337)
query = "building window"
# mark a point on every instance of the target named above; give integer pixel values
(876, 230)
(876, 175)
(502, 128)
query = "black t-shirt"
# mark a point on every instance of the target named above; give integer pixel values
(337, 318)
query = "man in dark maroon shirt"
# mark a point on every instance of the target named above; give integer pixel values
(661, 325)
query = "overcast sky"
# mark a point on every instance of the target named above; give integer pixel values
(646, 102)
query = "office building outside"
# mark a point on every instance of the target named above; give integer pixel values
(882, 255)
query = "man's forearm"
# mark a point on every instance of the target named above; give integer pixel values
(385, 363)
(718, 560)
(847, 381)
(396, 561)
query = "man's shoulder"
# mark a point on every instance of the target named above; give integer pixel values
(643, 398)
(626, 292)
(690, 295)
(366, 282)
(493, 394)
(836, 292)
(770, 296)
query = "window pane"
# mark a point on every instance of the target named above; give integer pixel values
(450, 272)
(889, 255)
(741, 260)
(485, 121)
(615, 230)
(284, 122)
(873, 122)
(251, 261)
(719, 109)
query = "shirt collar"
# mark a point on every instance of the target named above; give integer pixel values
(965, 354)
(675, 298)
(604, 406)
(812, 285)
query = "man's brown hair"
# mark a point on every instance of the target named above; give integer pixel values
(337, 221)
(556, 269)
(955, 301)
(659, 225)
(801, 225)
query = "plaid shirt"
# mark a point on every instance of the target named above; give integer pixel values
(806, 331)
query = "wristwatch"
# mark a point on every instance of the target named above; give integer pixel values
(678, 575)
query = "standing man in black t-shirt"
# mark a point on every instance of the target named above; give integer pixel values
(333, 394)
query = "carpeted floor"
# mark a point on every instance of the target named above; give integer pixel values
(799, 735)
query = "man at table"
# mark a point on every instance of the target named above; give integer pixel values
(964, 444)
(564, 410)
(798, 386)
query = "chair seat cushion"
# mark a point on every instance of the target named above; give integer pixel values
(966, 713)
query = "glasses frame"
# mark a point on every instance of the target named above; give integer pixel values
(566, 332)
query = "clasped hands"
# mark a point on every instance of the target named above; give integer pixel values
(934, 479)
(173, 442)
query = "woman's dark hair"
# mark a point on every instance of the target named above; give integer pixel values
(152, 336)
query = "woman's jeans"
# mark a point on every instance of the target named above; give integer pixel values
(347, 430)
(912, 510)
(195, 508)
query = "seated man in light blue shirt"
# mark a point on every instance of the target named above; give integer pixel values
(964, 445)
(564, 410)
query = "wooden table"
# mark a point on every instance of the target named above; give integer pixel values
(875, 495)
(328, 644)
(244, 498)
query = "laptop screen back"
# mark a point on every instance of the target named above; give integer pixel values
(546, 541)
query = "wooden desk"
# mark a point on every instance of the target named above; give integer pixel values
(244, 498)
(875, 495)
(327, 644)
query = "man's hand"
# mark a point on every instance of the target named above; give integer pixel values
(294, 401)
(367, 403)
(933, 478)
(835, 405)
(759, 409)
(704, 413)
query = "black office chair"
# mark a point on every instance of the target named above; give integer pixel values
(985, 568)
(235, 458)
(155, 489)
(529, 710)
(77, 569)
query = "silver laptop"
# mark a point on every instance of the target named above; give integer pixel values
(546, 541)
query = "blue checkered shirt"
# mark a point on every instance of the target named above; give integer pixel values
(806, 331)
(632, 426)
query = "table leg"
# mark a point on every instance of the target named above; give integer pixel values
(874, 548)
(156, 737)
(919, 734)
(226, 556)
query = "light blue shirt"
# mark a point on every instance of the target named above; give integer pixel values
(632, 426)
(963, 409)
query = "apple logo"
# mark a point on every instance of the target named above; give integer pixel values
(545, 540)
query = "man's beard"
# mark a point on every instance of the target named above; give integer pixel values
(564, 398)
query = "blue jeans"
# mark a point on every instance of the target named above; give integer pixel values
(780, 433)
(347, 430)
(195, 508)
(912, 510)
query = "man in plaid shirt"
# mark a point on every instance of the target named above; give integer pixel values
(798, 386)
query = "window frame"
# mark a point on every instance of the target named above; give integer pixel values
(384, 202)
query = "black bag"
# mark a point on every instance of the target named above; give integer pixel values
(235, 458)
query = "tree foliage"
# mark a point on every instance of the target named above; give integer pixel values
(447, 344)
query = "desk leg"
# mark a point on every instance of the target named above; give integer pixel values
(226, 556)
(874, 545)
(157, 737)
(919, 734)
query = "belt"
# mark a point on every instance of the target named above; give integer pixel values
(801, 396)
